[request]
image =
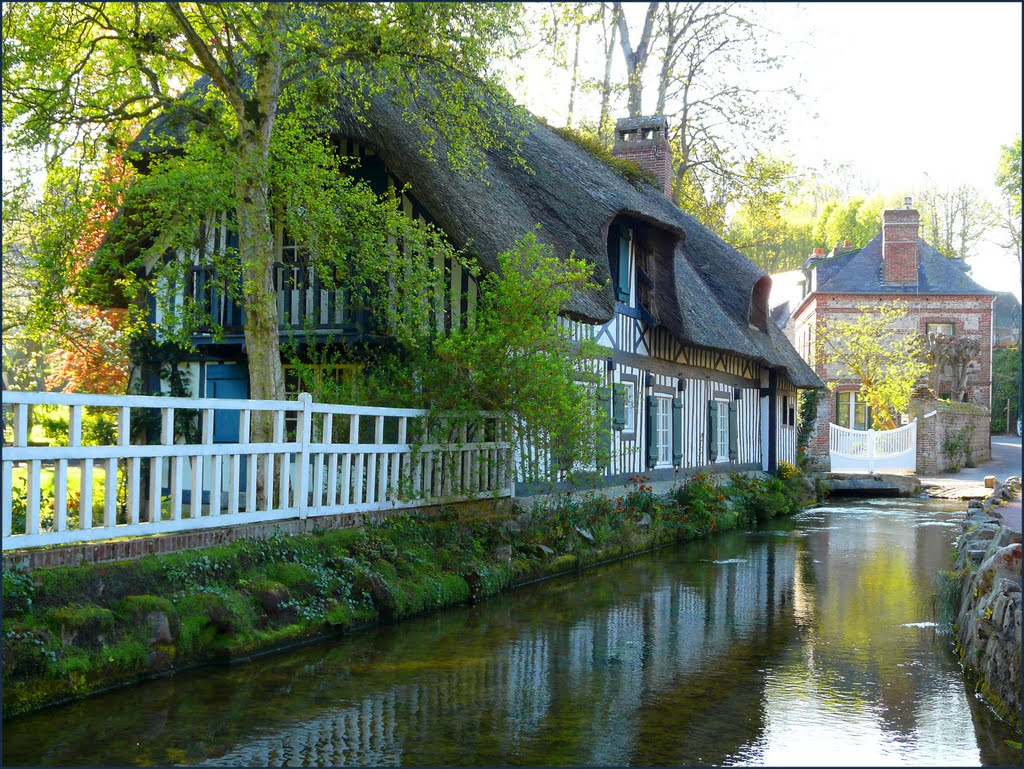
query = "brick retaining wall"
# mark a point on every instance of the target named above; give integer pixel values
(949, 421)
(137, 547)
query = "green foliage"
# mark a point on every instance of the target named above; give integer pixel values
(628, 169)
(807, 408)
(871, 348)
(250, 142)
(18, 592)
(857, 220)
(520, 361)
(760, 498)
(702, 503)
(945, 600)
(1005, 387)
(89, 621)
(956, 447)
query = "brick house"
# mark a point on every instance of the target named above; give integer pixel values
(896, 265)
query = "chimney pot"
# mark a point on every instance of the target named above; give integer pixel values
(818, 252)
(644, 140)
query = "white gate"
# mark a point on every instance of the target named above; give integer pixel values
(872, 451)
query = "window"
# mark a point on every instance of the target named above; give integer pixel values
(940, 328)
(664, 430)
(723, 431)
(630, 405)
(852, 411)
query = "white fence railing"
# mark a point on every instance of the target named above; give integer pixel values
(868, 451)
(322, 459)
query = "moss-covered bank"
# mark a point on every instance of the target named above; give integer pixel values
(72, 631)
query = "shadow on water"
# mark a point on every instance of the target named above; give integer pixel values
(804, 643)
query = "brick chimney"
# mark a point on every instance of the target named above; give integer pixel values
(644, 140)
(900, 228)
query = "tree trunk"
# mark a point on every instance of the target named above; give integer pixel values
(575, 72)
(604, 121)
(636, 60)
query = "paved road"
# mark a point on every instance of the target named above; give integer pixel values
(1006, 461)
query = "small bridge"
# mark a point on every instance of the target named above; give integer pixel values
(873, 451)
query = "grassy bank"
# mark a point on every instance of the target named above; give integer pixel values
(72, 631)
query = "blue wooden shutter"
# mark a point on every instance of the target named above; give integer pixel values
(618, 406)
(622, 286)
(733, 431)
(712, 431)
(677, 431)
(652, 431)
(604, 433)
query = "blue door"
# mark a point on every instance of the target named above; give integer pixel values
(227, 381)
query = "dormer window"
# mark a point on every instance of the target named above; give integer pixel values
(620, 252)
(758, 315)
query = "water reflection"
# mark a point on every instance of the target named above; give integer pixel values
(791, 646)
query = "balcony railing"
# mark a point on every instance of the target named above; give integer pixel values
(304, 302)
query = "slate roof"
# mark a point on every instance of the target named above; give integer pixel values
(702, 285)
(860, 272)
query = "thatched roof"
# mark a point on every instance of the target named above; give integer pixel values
(702, 286)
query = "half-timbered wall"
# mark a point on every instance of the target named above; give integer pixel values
(788, 417)
(706, 374)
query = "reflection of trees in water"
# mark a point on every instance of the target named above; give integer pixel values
(572, 692)
(572, 672)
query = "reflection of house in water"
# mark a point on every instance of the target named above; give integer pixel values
(598, 674)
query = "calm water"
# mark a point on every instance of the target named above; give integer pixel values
(808, 643)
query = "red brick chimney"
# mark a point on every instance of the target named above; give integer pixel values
(644, 140)
(899, 245)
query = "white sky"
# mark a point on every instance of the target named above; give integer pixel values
(900, 90)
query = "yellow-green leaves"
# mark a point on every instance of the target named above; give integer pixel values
(878, 347)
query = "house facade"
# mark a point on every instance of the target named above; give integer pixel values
(692, 374)
(895, 266)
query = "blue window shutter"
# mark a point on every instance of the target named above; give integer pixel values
(652, 431)
(622, 286)
(712, 431)
(733, 431)
(677, 431)
(619, 406)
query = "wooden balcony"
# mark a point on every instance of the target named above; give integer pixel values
(306, 306)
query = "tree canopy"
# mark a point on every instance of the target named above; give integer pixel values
(872, 348)
(81, 79)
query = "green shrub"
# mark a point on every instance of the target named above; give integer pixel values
(88, 621)
(701, 504)
(18, 591)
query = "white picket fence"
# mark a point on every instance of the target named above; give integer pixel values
(305, 471)
(872, 451)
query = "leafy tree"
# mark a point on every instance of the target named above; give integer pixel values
(768, 226)
(857, 220)
(521, 361)
(872, 348)
(1005, 387)
(1008, 179)
(518, 361)
(80, 78)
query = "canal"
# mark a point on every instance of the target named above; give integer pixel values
(808, 642)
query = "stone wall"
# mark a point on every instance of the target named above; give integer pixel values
(988, 625)
(966, 424)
